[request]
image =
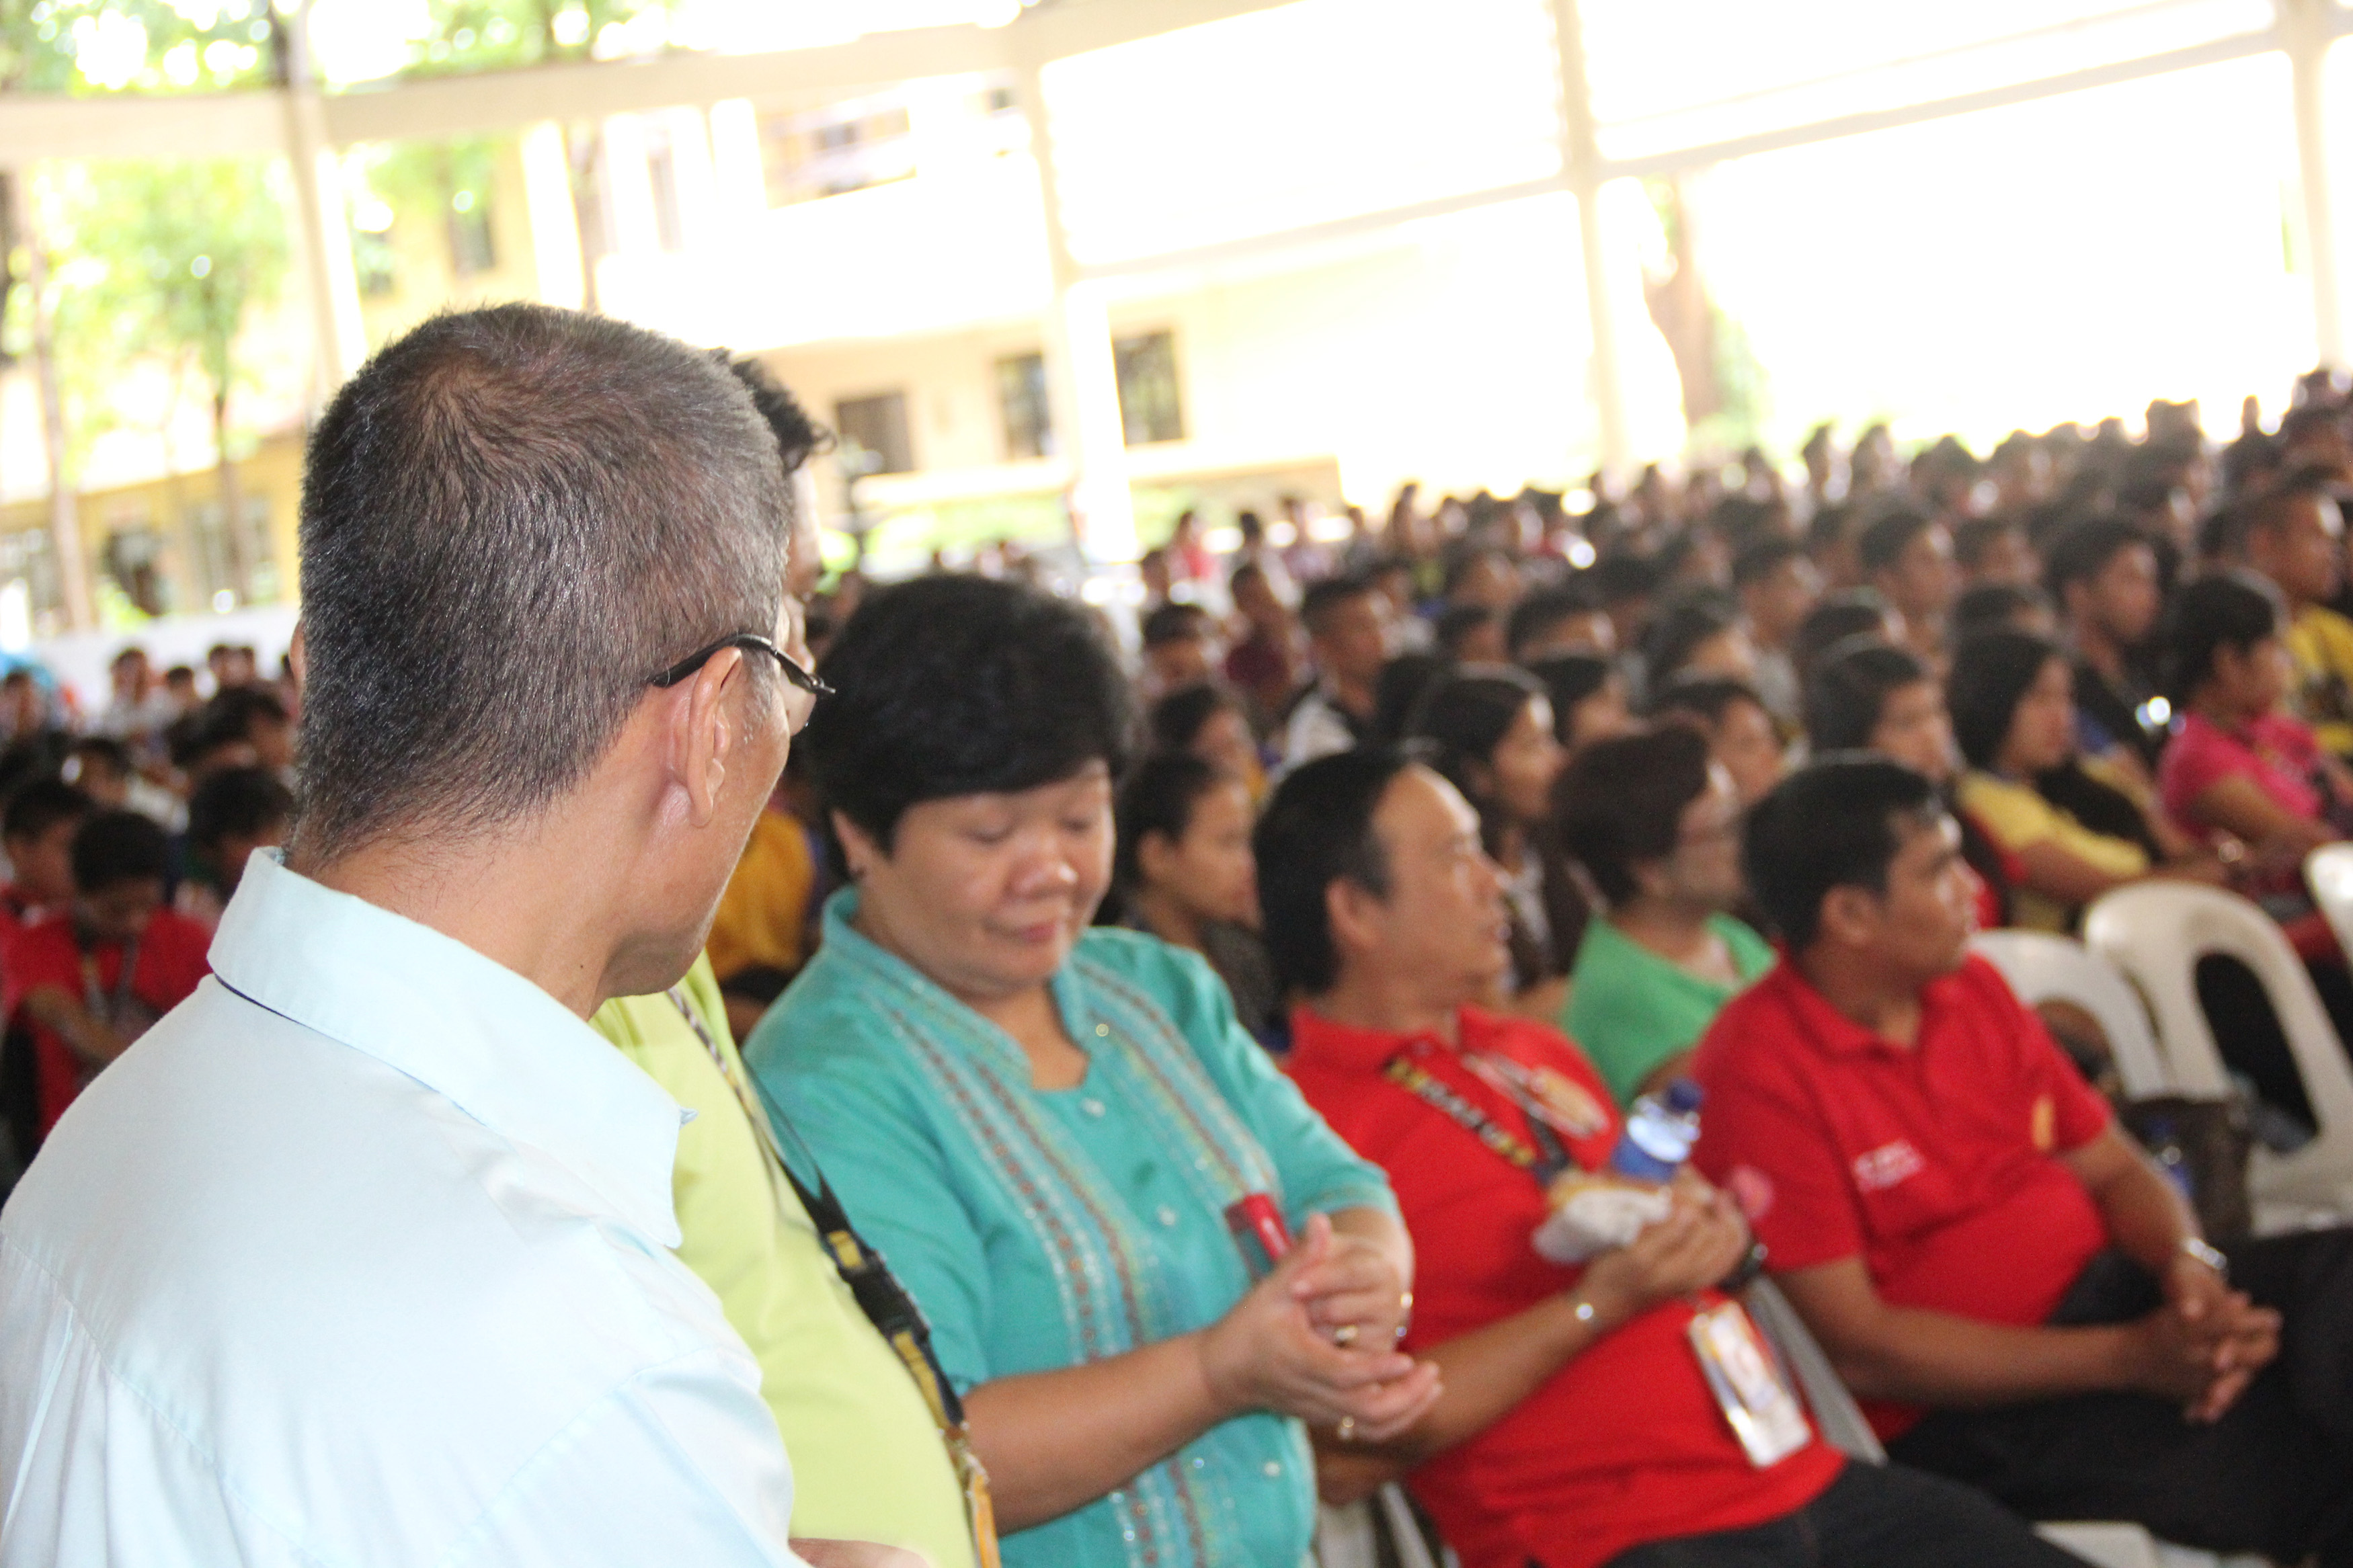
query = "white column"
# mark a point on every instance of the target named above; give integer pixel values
(1580, 157)
(322, 231)
(628, 188)
(739, 180)
(554, 221)
(1081, 382)
(2304, 34)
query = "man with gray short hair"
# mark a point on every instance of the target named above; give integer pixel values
(362, 1254)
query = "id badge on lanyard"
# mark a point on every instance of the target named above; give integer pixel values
(1749, 1385)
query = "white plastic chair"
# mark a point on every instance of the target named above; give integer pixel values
(2328, 873)
(2156, 932)
(2041, 968)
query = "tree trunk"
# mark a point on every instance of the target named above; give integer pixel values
(232, 501)
(65, 523)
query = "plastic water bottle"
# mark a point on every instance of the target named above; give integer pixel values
(1659, 1133)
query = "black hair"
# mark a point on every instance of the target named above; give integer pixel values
(1176, 721)
(243, 801)
(105, 749)
(1620, 802)
(1757, 561)
(1174, 622)
(1463, 719)
(1848, 690)
(956, 684)
(1851, 613)
(1318, 829)
(1621, 579)
(1990, 675)
(1317, 606)
(2082, 550)
(1976, 536)
(798, 438)
(2273, 507)
(116, 846)
(1991, 606)
(1455, 625)
(1833, 823)
(1467, 561)
(1535, 616)
(1831, 526)
(1570, 679)
(1884, 539)
(1157, 796)
(40, 805)
(1680, 626)
(1708, 697)
(511, 518)
(1398, 693)
(2227, 609)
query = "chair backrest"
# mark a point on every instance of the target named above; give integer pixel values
(2041, 968)
(2328, 873)
(1839, 1418)
(2156, 932)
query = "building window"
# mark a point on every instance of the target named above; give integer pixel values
(1148, 408)
(846, 146)
(472, 250)
(1021, 401)
(873, 432)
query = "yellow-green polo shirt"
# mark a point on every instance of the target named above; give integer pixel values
(868, 1463)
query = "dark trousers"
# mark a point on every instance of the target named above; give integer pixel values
(1873, 1516)
(2274, 1475)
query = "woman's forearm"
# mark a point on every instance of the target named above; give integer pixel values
(1054, 1441)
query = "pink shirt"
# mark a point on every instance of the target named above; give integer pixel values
(2276, 751)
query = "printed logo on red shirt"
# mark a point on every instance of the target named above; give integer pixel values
(1886, 1165)
(1752, 1189)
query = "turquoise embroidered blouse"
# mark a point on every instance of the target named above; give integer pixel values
(1041, 1229)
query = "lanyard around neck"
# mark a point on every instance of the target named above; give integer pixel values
(1546, 1159)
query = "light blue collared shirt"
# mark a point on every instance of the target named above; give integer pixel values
(361, 1256)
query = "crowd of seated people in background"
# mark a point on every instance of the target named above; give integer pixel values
(1388, 872)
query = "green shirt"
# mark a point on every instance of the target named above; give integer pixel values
(1632, 1009)
(1041, 1229)
(868, 1462)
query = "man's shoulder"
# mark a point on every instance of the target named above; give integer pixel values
(1758, 1033)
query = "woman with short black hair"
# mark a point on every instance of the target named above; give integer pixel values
(1183, 871)
(1065, 1144)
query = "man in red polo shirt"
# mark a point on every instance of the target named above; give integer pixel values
(2021, 1299)
(1577, 1425)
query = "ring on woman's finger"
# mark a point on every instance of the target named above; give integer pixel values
(1345, 1335)
(1346, 1431)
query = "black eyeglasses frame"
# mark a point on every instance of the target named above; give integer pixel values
(807, 680)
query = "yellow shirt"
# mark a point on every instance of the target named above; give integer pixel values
(764, 917)
(868, 1463)
(2321, 642)
(2016, 818)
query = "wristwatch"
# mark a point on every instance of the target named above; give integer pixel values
(1743, 1274)
(2207, 1254)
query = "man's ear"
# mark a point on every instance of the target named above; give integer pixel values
(1850, 916)
(705, 736)
(1354, 915)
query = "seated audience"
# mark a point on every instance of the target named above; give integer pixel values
(2073, 836)
(1180, 647)
(1907, 556)
(2023, 1302)
(1490, 733)
(1262, 663)
(1182, 870)
(1563, 620)
(1351, 635)
(2293, 537)
(1999, 606)
(36, 831)
(231, 813)
(1994, 550)
(1699, 633)
(2102, 573)
(1871, 696)
(1589, 698)
(1779, 587)
(2240, 768)
(1206, 721)
(1657, 826)
(1577, 1426)
(1740, 732)
(1011, 1102)
(89, 979)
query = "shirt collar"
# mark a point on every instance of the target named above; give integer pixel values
(1828, 1028)
(473, 1031)
(1067, 985)
(1324, 1043)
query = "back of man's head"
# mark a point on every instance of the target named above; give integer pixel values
(1839, 822)
(117, 846)
(1317, 829)
(39, 807)
(1319, 607)
(511, 519)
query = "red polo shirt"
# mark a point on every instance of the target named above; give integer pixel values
(1624, 1444)
(1937, 1163)
(171, 960)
